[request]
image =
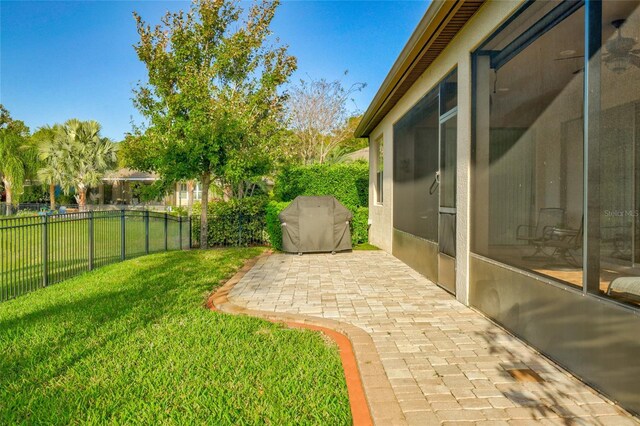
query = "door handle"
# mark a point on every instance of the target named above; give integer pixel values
(434, 184)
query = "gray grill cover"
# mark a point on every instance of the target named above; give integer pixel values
(313, 224)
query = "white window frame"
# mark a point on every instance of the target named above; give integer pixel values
(378, 170)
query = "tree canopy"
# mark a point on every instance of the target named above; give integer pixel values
(11, 125)
(80, 154)
(18, 157)
(212, 102)
(52, 168)
(320, 120)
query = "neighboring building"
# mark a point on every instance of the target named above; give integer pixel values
(505, 166)
(361, 154)
(122, 187)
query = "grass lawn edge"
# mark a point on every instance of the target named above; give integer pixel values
(360, 412)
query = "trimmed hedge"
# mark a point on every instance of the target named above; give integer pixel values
(235, 222)
(360, 226)
(273, 228)
(254, 220)
(349, 183)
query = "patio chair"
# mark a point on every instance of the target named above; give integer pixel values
(564, 241)
(548, 217)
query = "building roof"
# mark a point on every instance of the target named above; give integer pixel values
(361, 154)
(130, 175)
(440, 24)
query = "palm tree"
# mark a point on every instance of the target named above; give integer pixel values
(51, 154)
(85, 155)
(18, 160)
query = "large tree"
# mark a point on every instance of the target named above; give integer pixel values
(52, 168)
(83, 154)
(10, 124)
(18, 160)
(212, 102)
(319, 117)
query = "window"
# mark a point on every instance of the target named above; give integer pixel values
(614, 154)
(197, 193)
(379, 169)
(424, 156)
(415, 169)
(182, 194)
(528, 153)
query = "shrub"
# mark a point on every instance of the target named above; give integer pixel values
(34, 194)
(179, 211)
(360, 226)
(26, 213)
(234, 222)
(273, 228)
(349, 183)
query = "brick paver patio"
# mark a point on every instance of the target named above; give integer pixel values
(427, 358)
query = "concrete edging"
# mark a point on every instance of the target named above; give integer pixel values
(370, 393)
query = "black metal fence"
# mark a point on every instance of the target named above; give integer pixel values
(35, 208)
(42, 250)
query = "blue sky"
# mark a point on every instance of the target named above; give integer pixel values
(67, 59)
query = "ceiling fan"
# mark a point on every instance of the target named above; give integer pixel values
(620, 52)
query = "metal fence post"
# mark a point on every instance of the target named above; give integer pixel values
(146, 231)
(123, 238)
(166, 231)
(90, 240)
(180, 223)
(45, 251)
(190, 232)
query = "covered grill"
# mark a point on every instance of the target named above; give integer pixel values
(315, 224)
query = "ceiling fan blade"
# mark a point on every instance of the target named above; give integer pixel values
(635, 51)
(569, 57)
(635, 60)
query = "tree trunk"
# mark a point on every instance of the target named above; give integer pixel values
(82, 198)
(9, 193)
(205, 181)
(52, 196)
(190, 185)
(227, 192)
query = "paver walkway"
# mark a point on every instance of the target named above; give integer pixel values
(445, 363)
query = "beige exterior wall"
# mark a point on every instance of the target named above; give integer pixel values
(457, 54)
(380, 214)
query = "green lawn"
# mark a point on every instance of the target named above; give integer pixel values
(365, 247)
(132, 343)
(21, 245)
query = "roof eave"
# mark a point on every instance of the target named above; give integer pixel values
(432, 28)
